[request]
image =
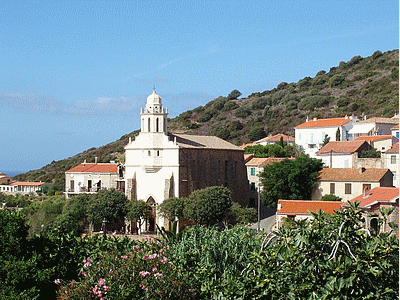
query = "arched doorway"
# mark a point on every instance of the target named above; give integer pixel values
(151, 219)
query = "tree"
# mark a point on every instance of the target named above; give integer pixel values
(242, 215)
(172, 208)
(326, 140)
(338, 135)
(257, 134)
(137, 210)
(107, 204)
(330, 197)
(208, 206)
(290, 179)
(234, 95)
(372, 153)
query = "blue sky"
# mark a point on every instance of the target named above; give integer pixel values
(74, 74)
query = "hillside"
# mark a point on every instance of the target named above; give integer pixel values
(362, 86)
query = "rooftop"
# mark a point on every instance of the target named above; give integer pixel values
(394, 149)
(342, 147)
(27, 183)
(381, 120)
(304, 206)
(324, 123)
(378, 194)
(276, 138)
(94, 168)
(346, 174)
(255, 161)
(202, 141)
(374, 138)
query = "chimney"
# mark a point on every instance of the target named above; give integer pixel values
(346, 117)
(307, 119)
(315, 119)
(95, 160)
(362, 170)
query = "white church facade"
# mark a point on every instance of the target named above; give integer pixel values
(160, 165)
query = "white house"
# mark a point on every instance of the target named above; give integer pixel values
(341, 154)
(395, 131)
(374, 126)
(273, 139)
(391, 161)
(311, 134)
(160, 165)
(89, 178)
(21, 187)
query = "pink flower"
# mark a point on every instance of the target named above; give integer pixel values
(84, 274)
(88, 264)
(144, 288)
(164, 260)
(152, 256)
(136, 247)
(57, 281)
(154, 270)
(110, 272)
(171, 263)
(168, 247)
(106, 288)
(158, 275)
(66, 292)
(144, 273)
(101, 281)
(145, 256)
(124, 257)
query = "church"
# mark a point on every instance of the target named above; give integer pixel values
(160, 165)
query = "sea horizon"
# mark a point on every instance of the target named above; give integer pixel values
(12, 173)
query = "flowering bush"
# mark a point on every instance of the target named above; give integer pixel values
(143, 272)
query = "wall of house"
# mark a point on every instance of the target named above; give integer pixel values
(338, 160)
(323, 188)
(383, 128)
(383, 145)
(393, 166)
(201, 168)
(108, 181)
(368, 163)
(281, 217)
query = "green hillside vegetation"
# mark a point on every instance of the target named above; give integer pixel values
(362, 86)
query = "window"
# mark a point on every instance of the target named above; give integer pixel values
(311, 146)
(157, 125)
(149, 153)
(253, 171)
(397, 134)
(253, 186)
(332, 188)
(72, 185)
(148, 125)
(158, 152)
(347, 188)
(393, 159)
(312, 136)
(383, 148)
(367, 185)
(290, 217)
(299, 135)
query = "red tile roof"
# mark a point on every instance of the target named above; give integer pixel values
(342, 147)
(21, 183)
(381, 120)
(255, 161)
(378, 194)
(246, 145)
(277, 138)
(394, 149)
(303, 206)
(395, 127)
(94, 168)
(373, 138)
(324, 123)
(347, 174)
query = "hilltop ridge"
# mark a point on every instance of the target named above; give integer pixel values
(362, 87)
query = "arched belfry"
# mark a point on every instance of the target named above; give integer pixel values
(154, 116)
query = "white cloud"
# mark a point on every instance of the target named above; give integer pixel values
(30, 102)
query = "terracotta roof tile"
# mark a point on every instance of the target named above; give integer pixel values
(373, 138)
(394, 149)
(342, 147)
(378, 194)
(346, 174)
(303, 206)
(381, 120)
(395, 127)
(324, 123)
(26, 183)
(276, 138)
(94, 168)
(263, 161)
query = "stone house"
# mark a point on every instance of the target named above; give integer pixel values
(160, 165)
(372, 200)
(274, 139)
(311, 134)
(349, 183)
(341, 154)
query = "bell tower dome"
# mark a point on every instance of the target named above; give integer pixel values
(154, 116)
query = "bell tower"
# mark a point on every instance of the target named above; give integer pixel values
(154, 116)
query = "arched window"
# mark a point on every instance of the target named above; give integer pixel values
(157, 125)
(148, 125)
(374, 228)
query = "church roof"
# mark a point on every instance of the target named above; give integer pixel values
(202, 141)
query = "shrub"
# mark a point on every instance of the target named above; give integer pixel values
(242, 112)
(259, 103)
(336, 80)
(234, 95)
(330, 197)
(230, 105)
(256, 134)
